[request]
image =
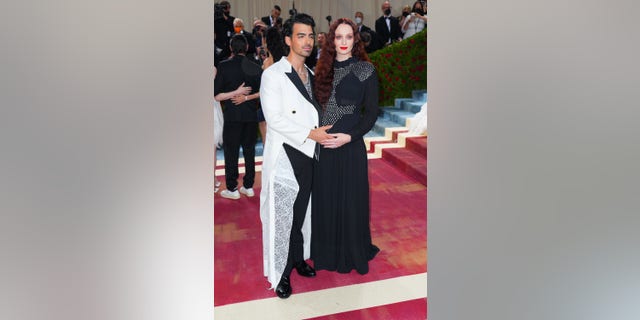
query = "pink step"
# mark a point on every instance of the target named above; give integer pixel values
(417, 145)
(413, 164)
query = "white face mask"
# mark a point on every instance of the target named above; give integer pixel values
(358, 20)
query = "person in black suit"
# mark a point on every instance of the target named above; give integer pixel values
(274, 19)
(223, 27)
(240, 118)
(374, 42)
(387, 26)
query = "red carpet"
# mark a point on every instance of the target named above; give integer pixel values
(411, 160)
(418, 145)
(398, 226)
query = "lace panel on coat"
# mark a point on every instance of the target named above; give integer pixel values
(285, 189)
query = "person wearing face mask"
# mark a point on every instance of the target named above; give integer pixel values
(346, 86)
(373, 43)
(415, 22)
(238, 28)
(388, 26)
(406, 11)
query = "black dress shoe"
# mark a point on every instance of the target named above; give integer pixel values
(305, 270)
(283, 290)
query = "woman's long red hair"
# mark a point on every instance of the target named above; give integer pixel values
(324, 68)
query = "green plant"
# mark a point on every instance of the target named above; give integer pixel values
(401, 68)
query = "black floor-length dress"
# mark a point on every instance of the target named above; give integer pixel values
(341, 237)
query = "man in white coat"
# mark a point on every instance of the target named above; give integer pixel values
(292, 117)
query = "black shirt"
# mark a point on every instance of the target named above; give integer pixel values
(231, 74)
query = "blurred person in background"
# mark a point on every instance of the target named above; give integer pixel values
(223, 27)
(372, 44)
(236, 87)
(259, 28)
(406, 11)
(319, 42)
(415, 22)
(387, 26)
(238, 28)
(274, 19)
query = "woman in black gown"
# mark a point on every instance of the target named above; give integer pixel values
(346, 85)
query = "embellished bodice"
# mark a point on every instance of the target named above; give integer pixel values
(351, 87)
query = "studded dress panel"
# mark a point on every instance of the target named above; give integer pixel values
(347, 97)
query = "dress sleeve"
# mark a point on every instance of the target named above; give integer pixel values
(370, 107)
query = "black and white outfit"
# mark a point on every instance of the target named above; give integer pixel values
(287, 168)
(341, 237)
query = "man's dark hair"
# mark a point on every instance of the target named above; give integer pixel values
(238, 44)
(218, 10)
(275, 43)
(287, 28)
(277, 7)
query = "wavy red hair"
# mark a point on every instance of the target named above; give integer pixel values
(323, 83)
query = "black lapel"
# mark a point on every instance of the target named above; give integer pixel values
(293, 76)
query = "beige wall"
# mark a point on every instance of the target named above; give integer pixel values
(249, 10)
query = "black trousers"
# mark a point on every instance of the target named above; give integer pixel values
(303, 171)
(234, 135)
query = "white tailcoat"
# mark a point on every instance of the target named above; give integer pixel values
(290, 117)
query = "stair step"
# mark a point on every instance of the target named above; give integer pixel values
(409, 162)
(398, 116)
(420, 95)
(399, 101)
(374, 143)
(387, 112)
(380, 126)
(417, 145)
(412, 106)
